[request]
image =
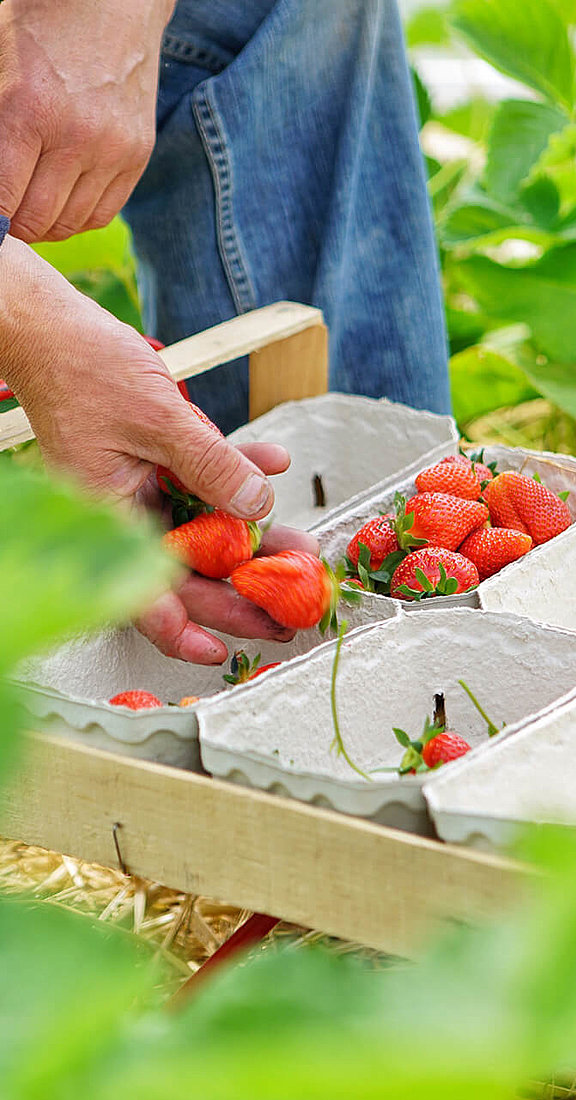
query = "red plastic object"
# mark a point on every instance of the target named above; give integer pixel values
(252, 932)
(158, 345)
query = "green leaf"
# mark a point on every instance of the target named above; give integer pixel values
(483, 380)
(541, 294)
(423, 101)
(69, 564)
(68, 988)
(520, 133)
(554, 380)
(100, 249)
(428, 26)
(526, 39)
(7, 404)
(542, 200)
(475, 216)
(472, 119)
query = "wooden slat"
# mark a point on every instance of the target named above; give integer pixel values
(240, 336)
(230, 340)
(289, 370)
(345, 876)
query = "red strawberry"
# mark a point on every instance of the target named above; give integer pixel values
(136, 700)
(523, 504)
(379, 536)
(213, 543)
(433, 571)
(443, 748)
(5, 391)
(491, 548)
(435, 746)
(294, 587)
(188, 700)
(485, 473)
(458, 479)
(168, 482)
(438, 519)
(242, 670)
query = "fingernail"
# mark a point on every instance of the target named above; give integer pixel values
(252, 496)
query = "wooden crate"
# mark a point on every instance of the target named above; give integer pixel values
(339, 874)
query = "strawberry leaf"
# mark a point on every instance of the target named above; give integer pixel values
(402, 738)
(564, 495)
(425, 582)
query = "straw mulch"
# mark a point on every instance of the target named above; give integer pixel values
(182, 929)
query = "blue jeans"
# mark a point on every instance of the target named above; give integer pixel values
(287, 166)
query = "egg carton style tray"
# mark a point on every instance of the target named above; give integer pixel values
(528, 776)
(336, 442)
(276, 733)
(68, 689)
(534, 586)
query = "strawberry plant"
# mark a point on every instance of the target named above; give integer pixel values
(506, 209)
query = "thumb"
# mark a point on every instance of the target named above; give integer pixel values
(216, 471)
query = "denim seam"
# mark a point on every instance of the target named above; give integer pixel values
(178, 49)
(230, 251)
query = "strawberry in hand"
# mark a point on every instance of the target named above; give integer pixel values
(433, 571)
(213, 543)
(295, 588)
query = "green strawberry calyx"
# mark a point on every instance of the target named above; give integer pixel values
(445, 585)
(255, 535)
(374, 580)
(241, 668)
(412, 761)
(403, 524)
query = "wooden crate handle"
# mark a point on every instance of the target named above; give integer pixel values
(288, 349)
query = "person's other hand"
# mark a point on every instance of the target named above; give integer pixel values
(104, 408)
(78, 84)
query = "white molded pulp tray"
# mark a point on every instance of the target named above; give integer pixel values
(68, 689)
(527, 776)
(276, 732)
(534, 586)
(344, 439)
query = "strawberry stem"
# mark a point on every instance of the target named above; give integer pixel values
(492, 729)
(337, 742)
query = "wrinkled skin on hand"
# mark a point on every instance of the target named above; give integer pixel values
(78, 85)
(104, 409)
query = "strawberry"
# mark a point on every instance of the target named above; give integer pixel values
(443, 748)
(242, 670)
(188, 700)
(437, 519)
(136, 700)
(433, 571)
(491, 548)
(295, 588)
(213, 543)
(485, 473)
(458, 479)
(5, 391)
(379, 536)
(523, 504)
(435, 746)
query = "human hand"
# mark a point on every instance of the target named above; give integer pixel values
(104, 408)
(78, 84)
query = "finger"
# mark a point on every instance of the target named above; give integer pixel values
(80, 203)
(18, 160)
(216, 605)
(113, 199)
(47, 193)
(279, 538)
(215, 470)
(270, 457)
(167, 625)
